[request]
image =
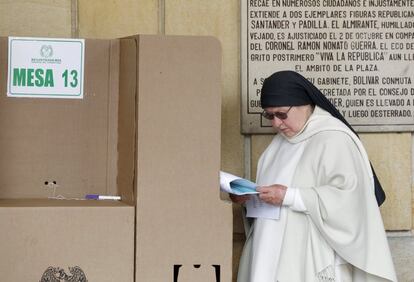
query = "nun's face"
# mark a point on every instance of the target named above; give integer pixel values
(295, 120)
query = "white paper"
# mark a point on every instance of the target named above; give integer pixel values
(258, 209)
(227, 180)
(255, 207)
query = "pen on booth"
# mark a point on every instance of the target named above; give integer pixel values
(102, 197)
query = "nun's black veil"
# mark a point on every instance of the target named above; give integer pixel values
(288, 88)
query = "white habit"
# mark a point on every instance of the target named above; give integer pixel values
(331, 228)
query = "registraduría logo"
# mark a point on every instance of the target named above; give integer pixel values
(46, 56)
(46, 51)
(57, 274)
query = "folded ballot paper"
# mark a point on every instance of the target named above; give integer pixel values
(236, 185)
(255, 207)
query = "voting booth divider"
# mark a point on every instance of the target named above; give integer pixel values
(148, 130)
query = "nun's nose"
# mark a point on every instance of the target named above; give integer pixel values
(276, 122)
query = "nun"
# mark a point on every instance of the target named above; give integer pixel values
(317, 170)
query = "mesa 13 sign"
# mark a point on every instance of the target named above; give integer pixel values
(45, 67)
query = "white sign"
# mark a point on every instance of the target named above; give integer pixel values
(45, 67)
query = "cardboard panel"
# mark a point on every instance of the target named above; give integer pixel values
(180, 217)
(70, 141)
(127, 118)
(37, 235)
(75, 143)
(113, 117)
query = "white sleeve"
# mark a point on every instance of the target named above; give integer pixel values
(293, 199)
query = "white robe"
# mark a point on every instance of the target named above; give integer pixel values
(336, 185)
(268, 235)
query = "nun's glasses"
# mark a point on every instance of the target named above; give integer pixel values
(279, 115)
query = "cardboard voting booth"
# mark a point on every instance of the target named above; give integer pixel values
(184, 230)
(64, 147)
(147, 128)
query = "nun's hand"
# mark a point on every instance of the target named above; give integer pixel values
(273, 194)
(239, 199)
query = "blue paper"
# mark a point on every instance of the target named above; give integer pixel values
(243, 186)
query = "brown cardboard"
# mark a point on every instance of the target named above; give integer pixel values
(93, 235)
(75, 143)
(181, 220)
(127, 126)
(70, 141)
(149, 130)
